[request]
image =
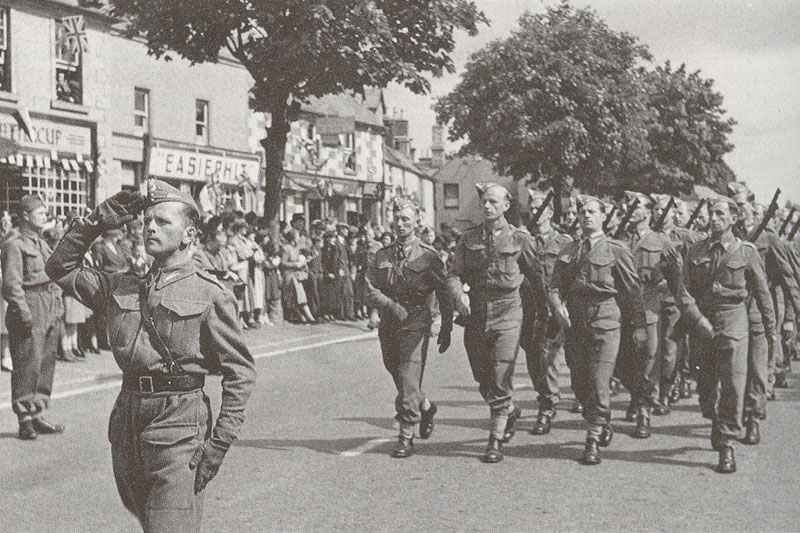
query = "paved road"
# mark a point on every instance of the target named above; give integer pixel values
(313, 457)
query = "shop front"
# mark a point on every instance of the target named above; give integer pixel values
(217, 179)
(318, 197)
(49, 157)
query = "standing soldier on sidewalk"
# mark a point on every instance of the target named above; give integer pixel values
(724, 273)
(167, 332)
(595, 285)
(541, 337)
(34, 309)
(491, 260)
(401, 280)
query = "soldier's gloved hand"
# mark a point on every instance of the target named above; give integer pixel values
(120, 209)
(704, 329)
(397, 310)
(443, 340)
(640, 339)
(562, 315)
(25, 328)
(788, 330)
(462, 305)
(206, 460)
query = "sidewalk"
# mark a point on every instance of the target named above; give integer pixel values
(101, 370)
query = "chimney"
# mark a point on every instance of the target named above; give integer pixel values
(412, 153)
(437, 146)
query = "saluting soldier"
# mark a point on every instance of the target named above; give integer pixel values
(490, 261)
(541, 336)
(401, 279)
(166, 333)
(595, 284)
(723, 274)
(34, 309)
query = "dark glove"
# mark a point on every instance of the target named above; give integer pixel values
(704, 329)
(120, 209)
(25, 328)
(443, 340)
(206, 460)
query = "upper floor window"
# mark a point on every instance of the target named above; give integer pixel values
(201, 121)
(350, 141)
(5, 59)
(451, 195)
(71, 44)
(141, 109)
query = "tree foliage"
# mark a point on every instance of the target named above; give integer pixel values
(295, 49)
(568, 101)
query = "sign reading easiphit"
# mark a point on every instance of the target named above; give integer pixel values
(180, 164)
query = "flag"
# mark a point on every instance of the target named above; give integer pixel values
(23, 119)
(74, 36)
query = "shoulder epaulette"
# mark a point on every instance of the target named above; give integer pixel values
(428, 247)
(211, 278)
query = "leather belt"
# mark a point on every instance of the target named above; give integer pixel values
(158, 382)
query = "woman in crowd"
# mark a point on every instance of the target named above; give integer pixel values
(272, 282)
(293, 268)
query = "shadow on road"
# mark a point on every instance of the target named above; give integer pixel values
(326, 446)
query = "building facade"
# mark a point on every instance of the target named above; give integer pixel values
(84, 111)
(404, 179)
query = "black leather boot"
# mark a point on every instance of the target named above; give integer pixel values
(727, 460)
(642, 429)
(508, 434)
(26, 430)
(542, 425)
(605, 436)
(426, 422)
(494, 451)
(591, 454)
(752, 434)
(404, 448)
(44, 427)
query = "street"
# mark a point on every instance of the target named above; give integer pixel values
(313, 456)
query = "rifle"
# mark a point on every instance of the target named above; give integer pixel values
(609, 217)
(786, 221)
(535, 218)
(768, 214)
(624, 223)
(695, 213)
(659, 225)
(794, 231)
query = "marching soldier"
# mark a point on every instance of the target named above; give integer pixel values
(594, 285)
(540, 342)
(34, 309)
(166, 332)
(490, 261)
(401, 280)
(723, 274)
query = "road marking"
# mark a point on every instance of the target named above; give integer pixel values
(367, 446)
(111, 382)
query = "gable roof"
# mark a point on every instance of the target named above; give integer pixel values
(349, 105)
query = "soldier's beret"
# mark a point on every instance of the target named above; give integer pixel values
(399, 204)
(644, 199)
(484, 187)
(736, 188)
(159, 192)
(29, 202)
(583, 199)
(719, 199)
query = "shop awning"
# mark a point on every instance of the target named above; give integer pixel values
(43, 161)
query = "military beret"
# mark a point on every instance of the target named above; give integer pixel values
(736, 188)
(29, 202)
(583, 199)
(398, 204)
(484, 187)
(644, 199)
(159, 192)
(719, 199)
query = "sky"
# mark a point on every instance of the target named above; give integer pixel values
(750, 48)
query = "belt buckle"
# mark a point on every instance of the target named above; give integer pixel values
(145, 383)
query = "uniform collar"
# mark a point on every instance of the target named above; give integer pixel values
(169, 275)
(501, 224)
(28, 232)
(727, 239)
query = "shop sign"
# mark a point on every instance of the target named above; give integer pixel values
(48, 135)
(195, 166)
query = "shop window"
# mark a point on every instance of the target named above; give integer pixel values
(451, 195)
(5, 58)
(70, 46)
(201, 121)
(141, 109)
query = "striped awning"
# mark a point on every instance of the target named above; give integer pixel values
(43, 161)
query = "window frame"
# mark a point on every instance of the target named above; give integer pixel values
(5, 49)
(137, 114)
(448, 201)
(74, 66)
(204, 138)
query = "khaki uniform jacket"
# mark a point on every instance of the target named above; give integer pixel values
(24, 256)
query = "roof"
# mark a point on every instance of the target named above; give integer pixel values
(470, 169)
(365, 110)
(399, 159)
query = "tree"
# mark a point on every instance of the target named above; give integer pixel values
(689, 133)
(559, 100)
(296, 49)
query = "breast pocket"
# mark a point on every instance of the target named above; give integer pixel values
(383, 274)
(506, 260)
(732, 275)
(123, 319)
(649, 257)
(474, 257)
(600, 270)
(181, 325)
(416, 275)
(33, 263)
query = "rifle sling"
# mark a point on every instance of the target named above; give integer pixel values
(155, 339)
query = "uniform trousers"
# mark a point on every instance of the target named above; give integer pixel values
(721, 383)
(491, 339)
(755, 399)
(541, 355)
(594, 352)
(405, 350)
(153, 438)
(33, 352)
